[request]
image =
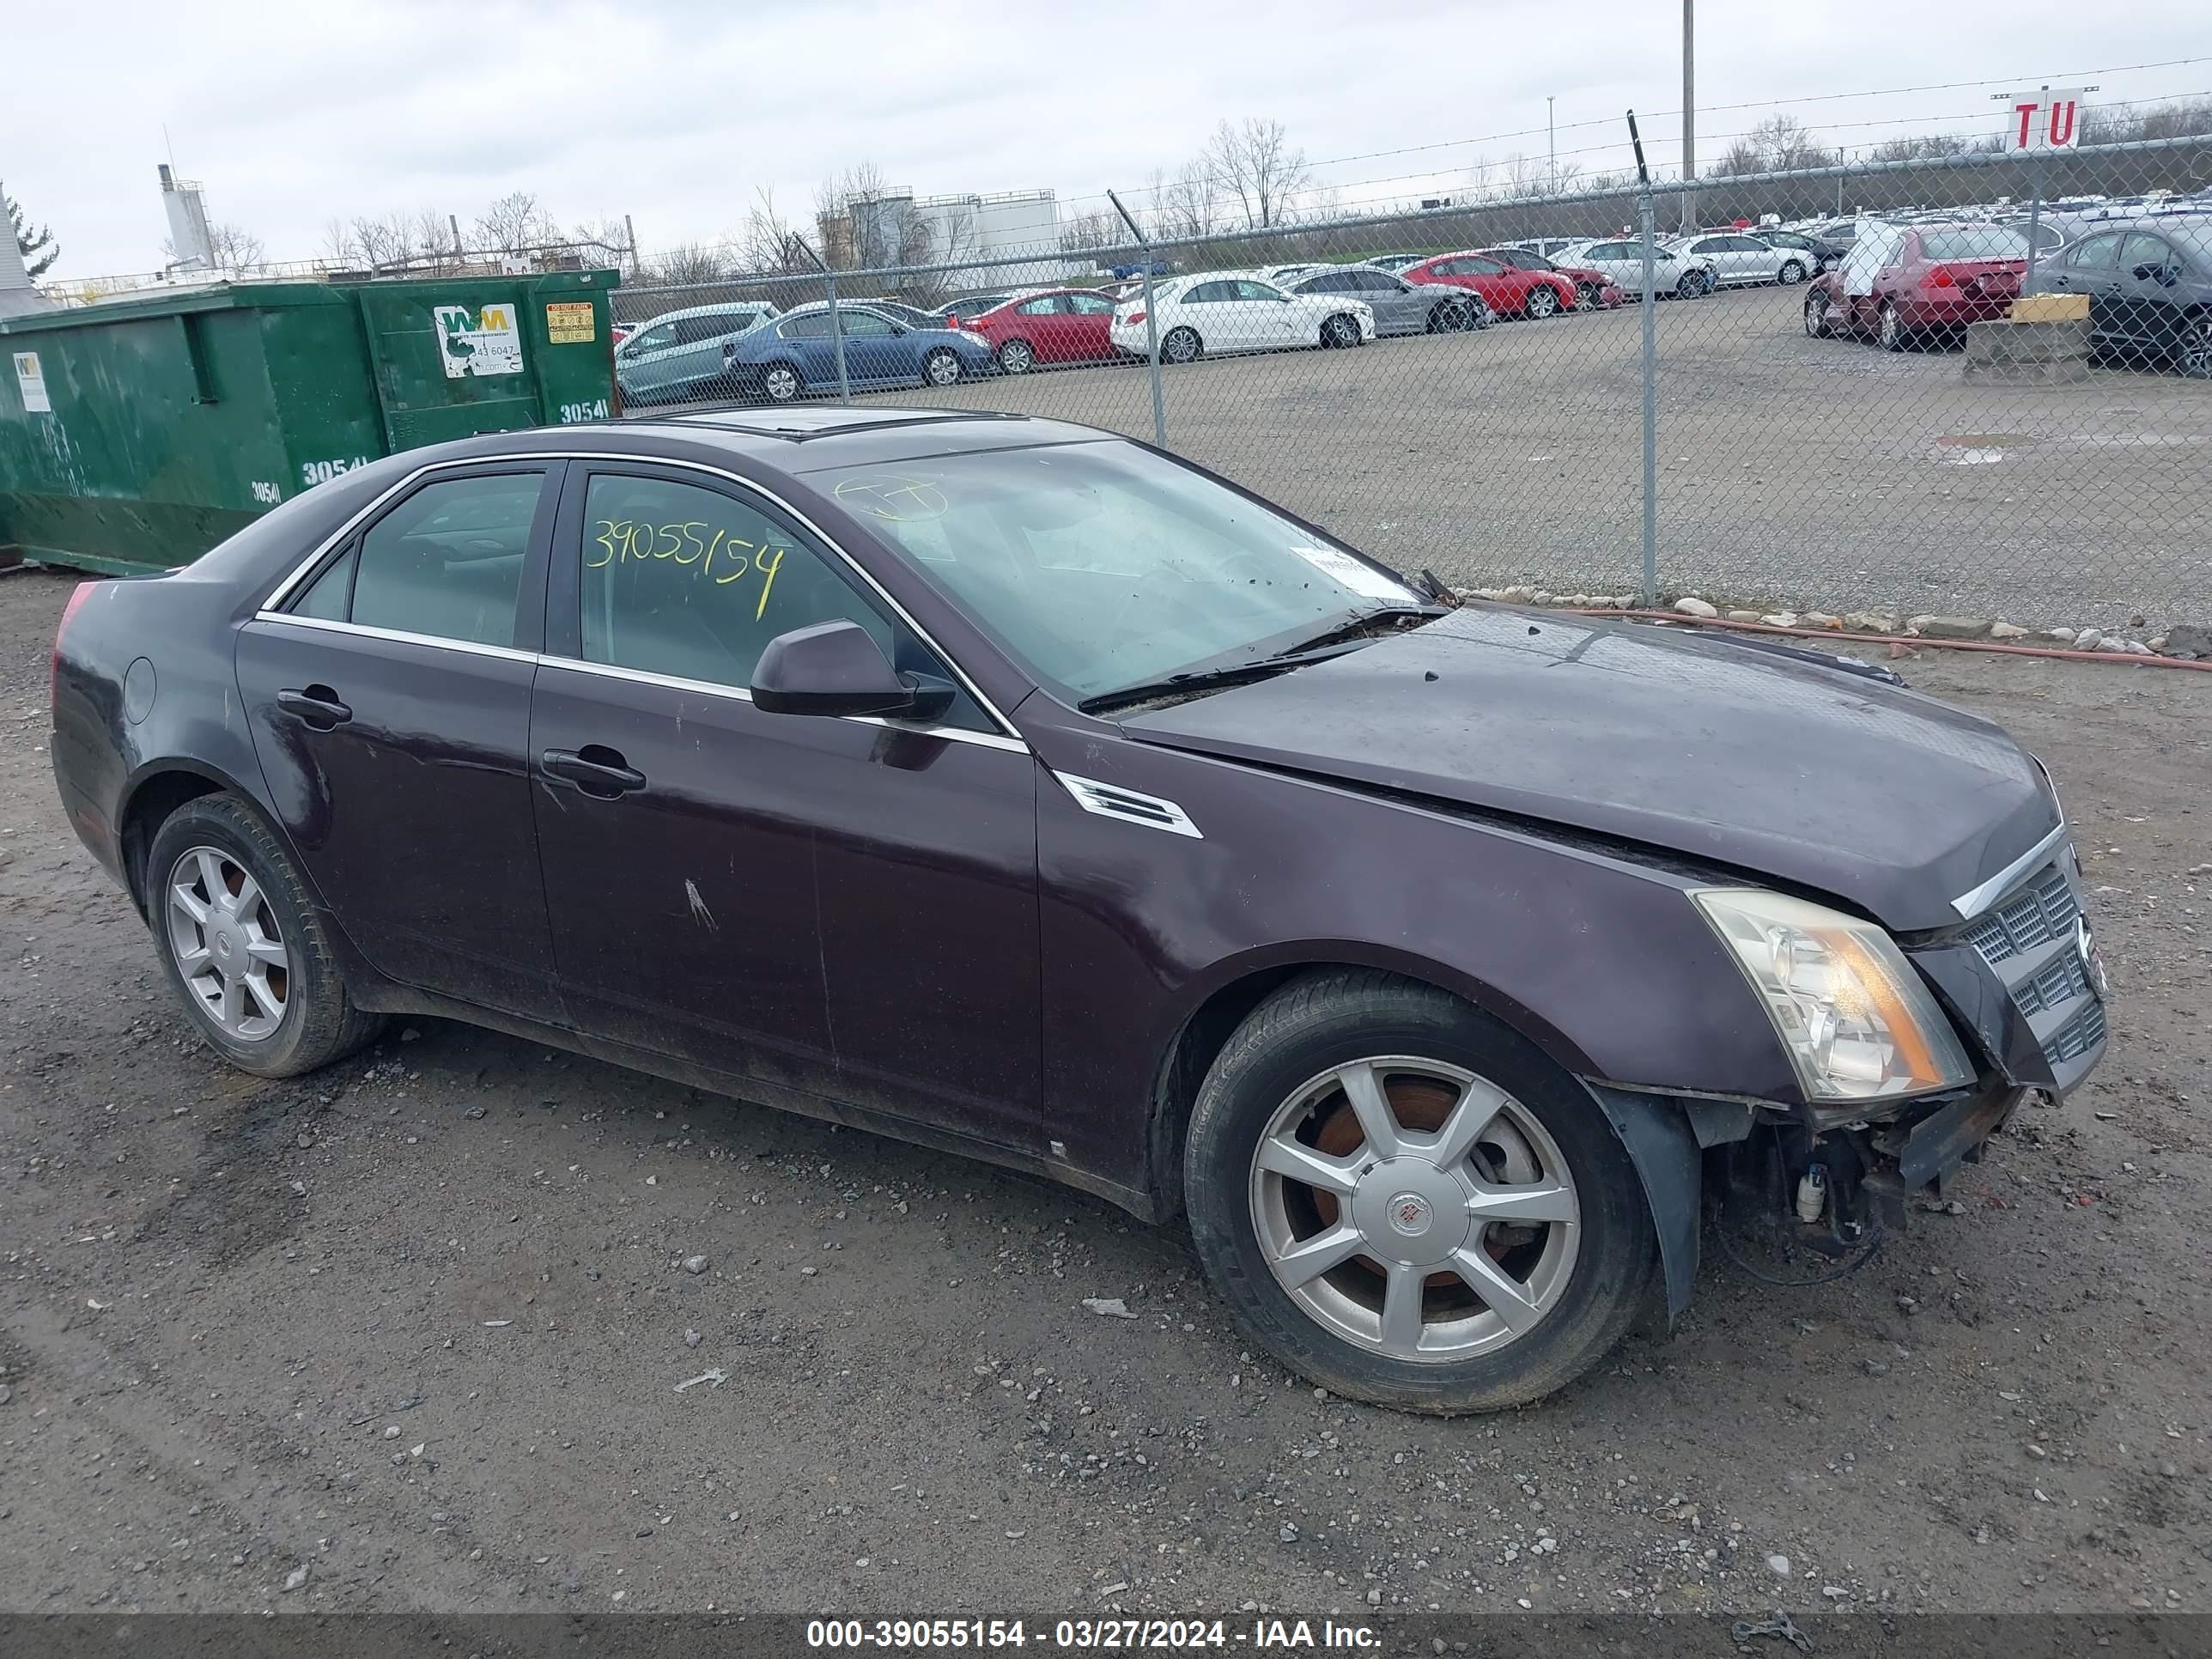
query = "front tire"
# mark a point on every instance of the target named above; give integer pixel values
(2193, 359)
(1817, 326)
(242, 945)
(1692, 286)
(1340, 330)
(1542, 302)
(1182, 345)
(1793, 272)
(1408, 1202)
(1588, 296)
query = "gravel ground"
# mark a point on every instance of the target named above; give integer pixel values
(409, 1335)
(1818, 472)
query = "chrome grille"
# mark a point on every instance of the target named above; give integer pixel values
(2061, 982)
(2078, 1035)
(2045, 911)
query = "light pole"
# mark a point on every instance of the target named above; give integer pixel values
(1552, 148)
(1689, 116)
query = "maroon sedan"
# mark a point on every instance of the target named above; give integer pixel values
(1011, 787)
(1919, 282)
(1593, 289)
(1057, 325)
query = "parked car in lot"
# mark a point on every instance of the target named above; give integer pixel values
(1673, 274)
(1738, 257)
(797, 354)
(1593, 289)
(1008, 786)
(1903, 283)
(1393, 261)
(1056, 325)
(1508, 290)
(1400, 306)
(970, 306)
(2150, 291)
(679, 355)
(900, 311)
(1823, 255)
(1226, 311)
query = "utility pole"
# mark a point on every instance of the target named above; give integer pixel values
(1689, 116)
(1551, 146)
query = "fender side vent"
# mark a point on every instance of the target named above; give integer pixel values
(1110, 801)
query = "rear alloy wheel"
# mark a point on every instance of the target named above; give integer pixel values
(941, 367)
(2194, 358)
(1181, 346)
(782, 383)
(1543, 300)
(1340, 330)
(1015, 357)
(1817, 326)
(242, 945)
(1409, 1204)
(1793, 272)
(1892, 328)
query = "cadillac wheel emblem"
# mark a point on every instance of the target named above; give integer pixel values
(2092, 963)
(1410, 1214)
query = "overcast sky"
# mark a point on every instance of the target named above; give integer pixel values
(676, 111)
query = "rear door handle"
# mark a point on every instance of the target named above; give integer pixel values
(596, 770)
(316, 705)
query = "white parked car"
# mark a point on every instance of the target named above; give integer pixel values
(1674, 274)
(1223, 311)
(1739, 259)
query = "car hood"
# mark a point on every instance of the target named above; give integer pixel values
(1697, 742)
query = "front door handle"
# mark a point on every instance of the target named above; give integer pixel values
(316, 705)
(596, 770)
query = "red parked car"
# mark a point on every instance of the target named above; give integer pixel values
(1508, 290)
(1055, 326)
(1593, 289)
(1921, 282)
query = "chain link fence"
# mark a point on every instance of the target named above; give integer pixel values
(1824, 402)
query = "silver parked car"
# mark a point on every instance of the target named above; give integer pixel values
(1674, 274)
(679, 354)
(1741, 260)
(1400, 306)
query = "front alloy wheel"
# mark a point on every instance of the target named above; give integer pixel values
(941, 367)
(1541, 302)
(1414, 1209)
(1793, 273)
(1817, 326)
(1339, 330)
(1408, 1202)
(2194, 360)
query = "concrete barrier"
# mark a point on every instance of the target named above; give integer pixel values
(2028, 353)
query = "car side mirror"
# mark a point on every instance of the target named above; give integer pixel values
(837, 668)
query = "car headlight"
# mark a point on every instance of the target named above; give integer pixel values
(1856, 1020)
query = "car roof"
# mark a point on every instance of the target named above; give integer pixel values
(720, 308)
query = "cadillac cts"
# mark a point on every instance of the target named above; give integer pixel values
(1013, 787)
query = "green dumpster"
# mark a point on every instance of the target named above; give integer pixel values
(135, 434)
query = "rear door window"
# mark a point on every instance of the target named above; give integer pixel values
(445, 562)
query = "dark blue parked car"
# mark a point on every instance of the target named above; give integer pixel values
(796, 355)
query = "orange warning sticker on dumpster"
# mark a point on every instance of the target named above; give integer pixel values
(571, 322)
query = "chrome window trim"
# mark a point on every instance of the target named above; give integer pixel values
(610, 671)
(397, 635)
(1975, 900)
(269, 610)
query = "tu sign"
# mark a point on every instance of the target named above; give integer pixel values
(2046, 120)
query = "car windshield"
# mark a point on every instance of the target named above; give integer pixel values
(1103, 566)
(1974, 242)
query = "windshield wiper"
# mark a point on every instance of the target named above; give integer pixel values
(1335, 641)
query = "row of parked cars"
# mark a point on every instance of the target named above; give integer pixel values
(757, 350)
(2149, 282)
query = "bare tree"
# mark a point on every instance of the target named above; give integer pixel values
(767, 244)
(236, 249)
(1084, 231)
(384, 240)
(338, 247)
(1256, 163)
(692, 264)
(512, 223)
(1188, 205)
(1780, 143)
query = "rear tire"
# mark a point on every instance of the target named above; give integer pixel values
(1894, 336)
(1182, 345)
(1562, 1287)
(783, 383)
(1793, 272)
(1016, 357)
(261, 916)
(2192, 359)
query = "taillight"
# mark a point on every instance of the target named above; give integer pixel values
(54, 674)
(1941, 276)
(1134, 318)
